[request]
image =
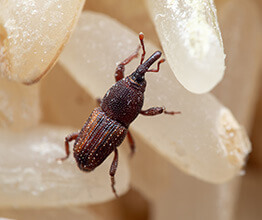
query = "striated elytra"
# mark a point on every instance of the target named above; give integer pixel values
(107, 126)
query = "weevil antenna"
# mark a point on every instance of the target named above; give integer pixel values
(141, 38)
(158, 65)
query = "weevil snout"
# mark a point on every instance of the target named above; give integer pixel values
(143, 68)
(139, 75)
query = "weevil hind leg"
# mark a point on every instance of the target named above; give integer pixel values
(131, 143)
(68, 139)
(120, 69)
(112, 171)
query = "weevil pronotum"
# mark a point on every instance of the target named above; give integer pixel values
(107, 126)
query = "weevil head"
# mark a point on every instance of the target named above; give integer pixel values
(139, 75)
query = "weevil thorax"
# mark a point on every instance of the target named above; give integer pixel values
(124, 100)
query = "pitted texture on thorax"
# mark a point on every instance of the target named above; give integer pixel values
(123, 101)
(97, 139)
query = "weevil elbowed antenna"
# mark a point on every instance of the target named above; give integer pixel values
(153, 58)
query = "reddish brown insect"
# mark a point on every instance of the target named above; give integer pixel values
(107, 126)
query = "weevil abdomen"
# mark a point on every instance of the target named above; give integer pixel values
(99, 136)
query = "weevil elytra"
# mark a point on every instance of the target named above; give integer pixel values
(108, 124)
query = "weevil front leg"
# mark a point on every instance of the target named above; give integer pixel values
(120, 69)
(156, 111)
(112, 171)
(68, 139)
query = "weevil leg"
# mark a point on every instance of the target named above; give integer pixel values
(112, 171)
(131, 143)
(156, 111)
(120, 69)
(68, 139)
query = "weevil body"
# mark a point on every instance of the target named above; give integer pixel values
(107, 126)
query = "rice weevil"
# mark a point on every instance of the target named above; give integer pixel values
(108, 124)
